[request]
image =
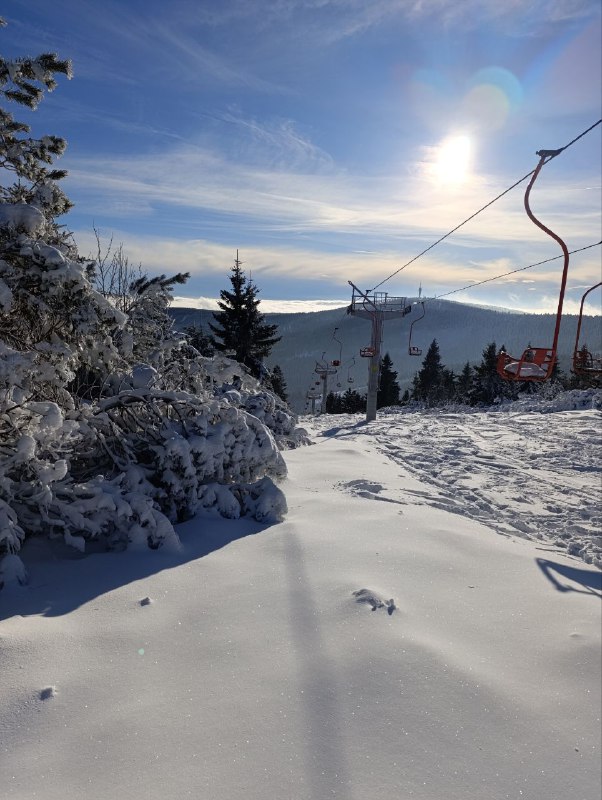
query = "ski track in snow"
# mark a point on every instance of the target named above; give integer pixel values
(504, 470)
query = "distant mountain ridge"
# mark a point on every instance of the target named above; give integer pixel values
(461, 330)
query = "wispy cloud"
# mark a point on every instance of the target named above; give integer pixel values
(324, 21)
(278, 265)
(312, 197)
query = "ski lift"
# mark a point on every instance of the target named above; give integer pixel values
(415, 351)
(367, 352)
(349, 375)
(337, 361)
(537, 363)
(584, 361)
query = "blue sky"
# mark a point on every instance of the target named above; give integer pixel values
(327, 140)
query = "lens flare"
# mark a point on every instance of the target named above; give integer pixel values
(493, 95)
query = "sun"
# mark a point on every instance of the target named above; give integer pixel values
(452, 159)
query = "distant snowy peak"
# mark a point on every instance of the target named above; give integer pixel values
(267, 306)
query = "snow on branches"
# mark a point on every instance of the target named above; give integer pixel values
(98, 446)
(112, 427)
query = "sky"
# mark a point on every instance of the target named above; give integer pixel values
(328, 141)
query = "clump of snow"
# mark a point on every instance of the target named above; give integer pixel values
(374, 600)
(22, 217)
(570, 400)
(526, 369)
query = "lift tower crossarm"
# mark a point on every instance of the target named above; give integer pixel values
(376, 308)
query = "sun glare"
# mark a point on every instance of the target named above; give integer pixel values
(452, 159)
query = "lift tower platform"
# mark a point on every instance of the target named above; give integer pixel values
(377, 307)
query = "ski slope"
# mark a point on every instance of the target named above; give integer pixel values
(251, 665)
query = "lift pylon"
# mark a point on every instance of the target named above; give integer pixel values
(377, 307)
(323, 370)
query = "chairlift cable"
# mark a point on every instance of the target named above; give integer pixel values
(552, 154)
(512, 272)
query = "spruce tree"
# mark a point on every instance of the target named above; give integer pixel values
(352, 402)
(49, 313)
(464, 384)
(487, 383)
(200, 340)
(240, 330)
(23, 81)
(428, 382)
(333, 403)
(448, 385)
(278, 383)
(388, 390)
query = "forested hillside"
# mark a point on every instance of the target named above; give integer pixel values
(461, 330)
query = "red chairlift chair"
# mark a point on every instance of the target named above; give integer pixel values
(584, 361)
(336, 362)
(537, 363)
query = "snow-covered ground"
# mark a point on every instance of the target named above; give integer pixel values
(251, 665)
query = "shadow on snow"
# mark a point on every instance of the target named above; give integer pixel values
(61, 579)
(591, 580)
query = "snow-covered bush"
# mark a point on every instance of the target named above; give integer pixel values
(179, 443)
(111, 426)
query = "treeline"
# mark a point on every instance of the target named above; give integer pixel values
(436, 385)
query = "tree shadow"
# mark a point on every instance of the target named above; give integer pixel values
(591, 580)
(61, 579)
(343, 430)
